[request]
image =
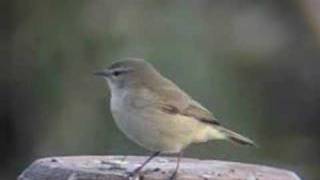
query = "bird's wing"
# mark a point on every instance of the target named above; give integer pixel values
(175, 101)
(199, 112)
(194, 110)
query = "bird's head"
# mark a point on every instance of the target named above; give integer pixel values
(128, 73)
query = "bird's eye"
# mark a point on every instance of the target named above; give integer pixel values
(116, 73)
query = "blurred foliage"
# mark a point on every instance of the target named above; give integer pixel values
(254, 63)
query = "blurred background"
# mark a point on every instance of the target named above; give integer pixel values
(255, 64)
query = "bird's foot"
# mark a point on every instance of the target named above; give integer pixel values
(132, 175)
(135, 174)
(174, 175)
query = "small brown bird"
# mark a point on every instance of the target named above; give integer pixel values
(155, 113)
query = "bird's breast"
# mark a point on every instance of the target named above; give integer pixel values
(141, 121)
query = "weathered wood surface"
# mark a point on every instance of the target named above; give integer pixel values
(116, 168)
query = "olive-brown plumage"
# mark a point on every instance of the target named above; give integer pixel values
(155, 113)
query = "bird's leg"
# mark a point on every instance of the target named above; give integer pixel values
(138, 169)
(174, 175)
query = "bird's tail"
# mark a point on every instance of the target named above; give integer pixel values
(235, 137)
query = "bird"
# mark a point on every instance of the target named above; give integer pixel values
(155, 113)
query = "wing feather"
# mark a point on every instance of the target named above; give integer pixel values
(173, 100)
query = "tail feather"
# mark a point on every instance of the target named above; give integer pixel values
(235, 137)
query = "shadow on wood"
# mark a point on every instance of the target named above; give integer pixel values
(117, 167)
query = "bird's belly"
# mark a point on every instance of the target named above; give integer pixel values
(158, 131)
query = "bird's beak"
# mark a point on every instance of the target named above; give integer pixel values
(103, 73)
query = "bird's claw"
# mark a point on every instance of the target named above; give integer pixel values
(132, 175)
(173, 176)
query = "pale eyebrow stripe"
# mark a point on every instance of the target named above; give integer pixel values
(125, 70)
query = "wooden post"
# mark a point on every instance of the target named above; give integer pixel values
(116, 168)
